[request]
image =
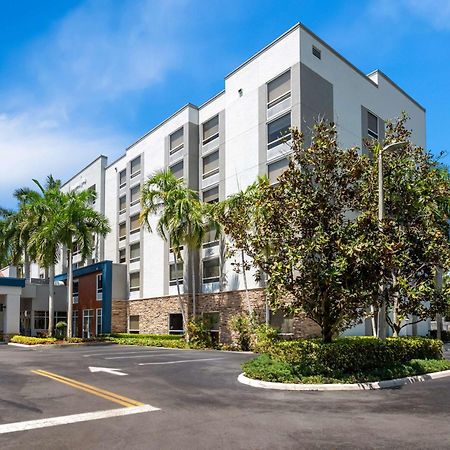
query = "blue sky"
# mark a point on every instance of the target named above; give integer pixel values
(80, 78)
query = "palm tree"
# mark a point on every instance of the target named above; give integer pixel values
(77, 223)
(181, 220)
(44, 240)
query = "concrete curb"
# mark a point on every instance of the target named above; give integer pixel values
(386, 384)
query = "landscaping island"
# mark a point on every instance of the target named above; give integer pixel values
(345, 360)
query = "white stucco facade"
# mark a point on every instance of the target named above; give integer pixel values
(322, 83)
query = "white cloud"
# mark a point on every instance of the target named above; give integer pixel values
(32, 147)
(436, 13)
(51, 121)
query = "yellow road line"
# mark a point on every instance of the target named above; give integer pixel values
(111, 396)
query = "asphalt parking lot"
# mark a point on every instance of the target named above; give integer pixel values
(98, 397)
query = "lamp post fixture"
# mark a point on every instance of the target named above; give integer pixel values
(382, 324)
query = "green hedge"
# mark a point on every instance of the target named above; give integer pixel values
(160, 337)
(353, 354)
(29, 340)
(151, 340)
(264, 367)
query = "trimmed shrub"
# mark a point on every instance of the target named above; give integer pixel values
(199, 332)
(29, 340)
(160, 337)
(353, 354)
(241, 325)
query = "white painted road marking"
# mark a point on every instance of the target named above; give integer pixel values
(74, 418)
(178, 362)
(107, 370)
(142, 356)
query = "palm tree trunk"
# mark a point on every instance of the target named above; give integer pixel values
(51, 295)
(69, 293)
(180, 301)
(26, 266)
(247, 297)
(194, 302)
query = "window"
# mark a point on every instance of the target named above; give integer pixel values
(372, 125)
(40, 320)
(176, 271)
(135, 195)
(211, 130)
(212, 320)
(74, 323)
(88, 319)
(75, 249)
(278, 130)
(122, 231)
(99, 328)
(135, 252)
(135, 281)
(134, 224)
(176, 141)
(76, 285)
(275, 169)
(211, 270)
(279, 89)
(59, 316)
(135, 167)
(177, 169)
(99, 287)
(92, 189)
(122, 256)
(211, 164)
(176, 323)
(122, 204)
(211, 235)
(133, 324)
(211, 195)
(316, 52)
(284, 322)
(122, 179)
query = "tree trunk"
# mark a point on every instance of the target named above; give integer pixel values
(26, 266)
(373, 321)
(194, 302)
(247, 297)
(382, 323)
(51, 296)
(327, 329)
(439, 283)
(180, 301)
(395, 317)
(69, 293)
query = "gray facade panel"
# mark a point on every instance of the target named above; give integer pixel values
(316, 96)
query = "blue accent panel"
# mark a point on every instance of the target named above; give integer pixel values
(106, 268)
(11, 281)
(107, 274)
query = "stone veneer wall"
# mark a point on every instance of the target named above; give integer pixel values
(154, 312)
(119, 316)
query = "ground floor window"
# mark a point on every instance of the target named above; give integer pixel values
(282, 321)
(74, 323)
(133, 324)
(99, 322)
(176, 323)
(88, 319)
(41, 319)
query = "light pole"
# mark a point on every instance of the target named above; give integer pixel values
(382, 324)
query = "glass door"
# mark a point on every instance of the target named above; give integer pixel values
(88, 319)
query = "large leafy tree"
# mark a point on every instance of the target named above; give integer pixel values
(415, 233)
(305, 234)
(77, 223)
(182, 220)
